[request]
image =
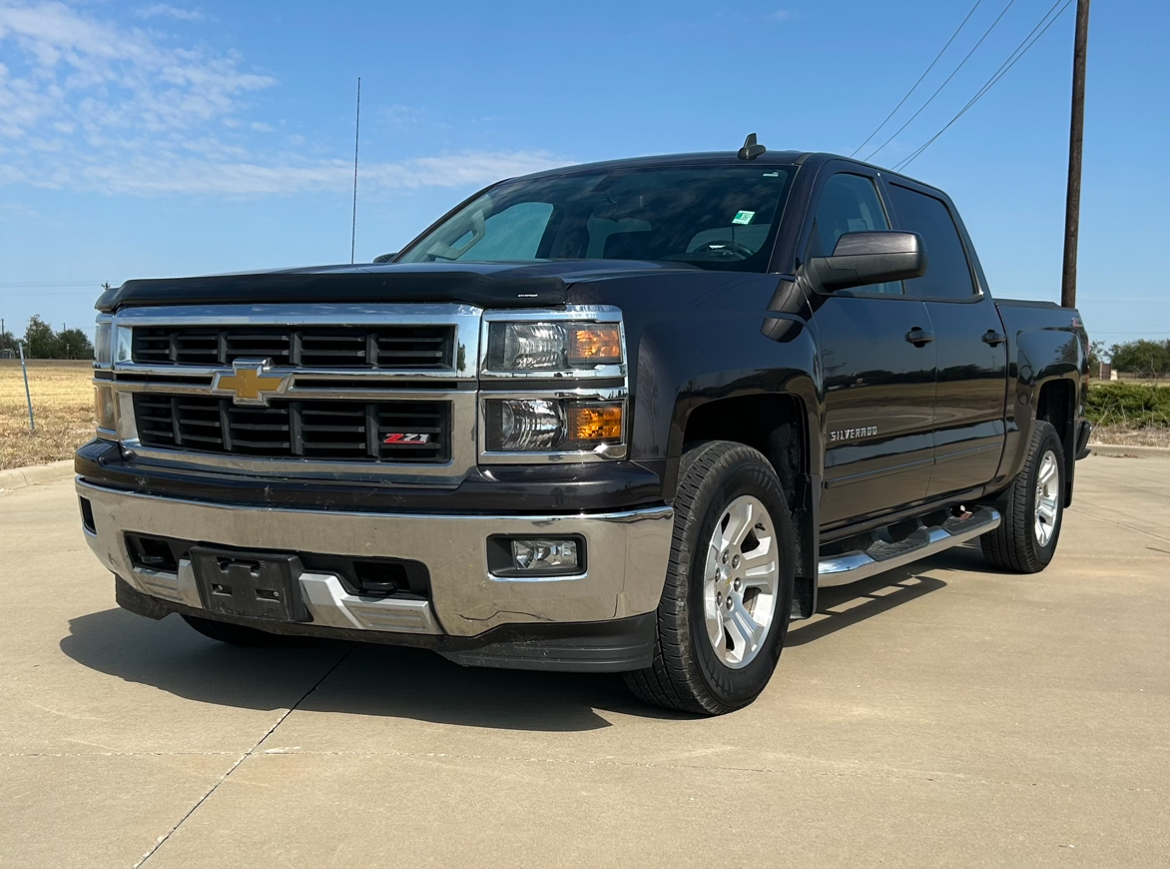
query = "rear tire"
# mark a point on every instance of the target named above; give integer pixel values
(1033, 509)
(237, 635)
(728, 595)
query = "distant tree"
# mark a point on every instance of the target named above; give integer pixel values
(1096, 351)
(7, 344)
(1142, 357)
(74, 344)
(40, 341)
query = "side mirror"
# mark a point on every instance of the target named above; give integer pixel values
(386, 257)
(864, 258)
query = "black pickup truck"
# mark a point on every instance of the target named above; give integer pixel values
(627, 416)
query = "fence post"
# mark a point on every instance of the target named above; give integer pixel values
(32, 423)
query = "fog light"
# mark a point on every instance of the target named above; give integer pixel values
(545, 556)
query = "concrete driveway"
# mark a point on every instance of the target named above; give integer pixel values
(940, 716)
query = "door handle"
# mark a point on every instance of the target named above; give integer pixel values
(993, 338)
(919, 337)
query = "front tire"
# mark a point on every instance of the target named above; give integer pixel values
(1033, 509)
(728, 594)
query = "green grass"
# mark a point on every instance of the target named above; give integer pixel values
(1129, 405)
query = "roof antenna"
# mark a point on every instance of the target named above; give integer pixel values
(357, 127)
(750, 149)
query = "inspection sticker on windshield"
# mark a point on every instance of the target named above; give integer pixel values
(743, 218)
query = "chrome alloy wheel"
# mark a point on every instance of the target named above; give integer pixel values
(740, 581)
(1047, 498)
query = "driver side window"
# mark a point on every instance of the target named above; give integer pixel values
(849, 203)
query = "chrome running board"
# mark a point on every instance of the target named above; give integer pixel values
(881, 556)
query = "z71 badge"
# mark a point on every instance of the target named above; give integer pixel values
(397, 437)
(848, 434)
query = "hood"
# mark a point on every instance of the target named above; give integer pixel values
(495, 285)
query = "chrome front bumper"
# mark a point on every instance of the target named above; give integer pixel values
(626, 569)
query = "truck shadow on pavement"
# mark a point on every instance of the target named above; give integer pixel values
(843, 606)
(338, 676)
(388, 681)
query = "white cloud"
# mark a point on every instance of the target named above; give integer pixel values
(64, 67)
(162, 9)
(89, 104)
(781, 15)
(205, 175)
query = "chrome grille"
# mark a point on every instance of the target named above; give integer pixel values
(333, 430)
(405, 347)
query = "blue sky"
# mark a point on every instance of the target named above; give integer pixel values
(147, 139)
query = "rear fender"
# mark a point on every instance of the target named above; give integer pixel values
(1042, 357)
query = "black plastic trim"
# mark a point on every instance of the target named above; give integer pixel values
(591, 647)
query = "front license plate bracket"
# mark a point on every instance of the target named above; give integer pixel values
(253, 585)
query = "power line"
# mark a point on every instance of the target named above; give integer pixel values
(1019, 52)
(40, 293)
(49, 284)
(902, 102)
(962, 63)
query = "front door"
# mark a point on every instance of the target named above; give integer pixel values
(878, 364)
(972, 349)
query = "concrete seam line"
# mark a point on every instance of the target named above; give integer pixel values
(20, 478)
(251, 751)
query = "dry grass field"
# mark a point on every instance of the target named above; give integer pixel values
(62, 397)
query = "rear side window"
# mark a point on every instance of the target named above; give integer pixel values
(848, 203)
(948, 274)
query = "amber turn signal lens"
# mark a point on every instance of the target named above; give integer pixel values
(598, 423)
(595, 344)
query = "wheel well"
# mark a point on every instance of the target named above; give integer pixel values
(772, 424)
(1055, 405)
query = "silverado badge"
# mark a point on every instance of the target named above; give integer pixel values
(249, 382)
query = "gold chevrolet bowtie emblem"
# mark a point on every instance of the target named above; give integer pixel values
(249, 382)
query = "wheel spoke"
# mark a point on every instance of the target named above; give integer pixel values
(1047, 510)
(1047, 471)
(745, 631)
(761, 551)
(715, 627)
(762, 576)
(741, 516)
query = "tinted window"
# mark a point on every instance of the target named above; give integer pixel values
(849, 203)
(714, 217)
(948, 275)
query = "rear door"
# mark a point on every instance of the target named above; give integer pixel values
(879, 384)
(971, 347)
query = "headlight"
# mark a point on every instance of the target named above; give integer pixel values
(551, 425)
(103, 409)
(103, 354)
(543, 347)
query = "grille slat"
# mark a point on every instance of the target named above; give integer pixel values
(341, 430)
(411, 348)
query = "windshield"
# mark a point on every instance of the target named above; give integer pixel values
(714, 217)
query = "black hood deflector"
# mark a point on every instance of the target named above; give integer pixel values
(495, 285)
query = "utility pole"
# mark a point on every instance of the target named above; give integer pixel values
(1072, 208)
(32, 422)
